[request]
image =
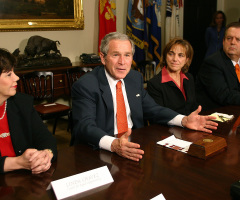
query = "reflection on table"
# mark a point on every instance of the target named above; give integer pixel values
(174, 174)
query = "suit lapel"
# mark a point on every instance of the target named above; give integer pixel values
(132, 93)
(106, 91)
(229, 65)
(14, 122)
(186, 87)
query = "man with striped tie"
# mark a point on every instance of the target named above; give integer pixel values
(110, 101)
(218, 79)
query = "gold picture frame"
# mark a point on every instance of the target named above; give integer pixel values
(33, 24)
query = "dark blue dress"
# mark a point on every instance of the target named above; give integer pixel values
(214, 40)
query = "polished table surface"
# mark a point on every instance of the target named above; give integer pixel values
(174, 174)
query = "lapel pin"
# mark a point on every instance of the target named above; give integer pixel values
(138, 95)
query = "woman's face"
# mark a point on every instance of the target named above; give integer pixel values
(176, 58)
(8, 84)
(219, 19)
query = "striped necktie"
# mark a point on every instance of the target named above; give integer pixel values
(237, 71)
(122, 124)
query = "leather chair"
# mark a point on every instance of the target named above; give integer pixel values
(147, 69)
(40, 85)
(73, 74)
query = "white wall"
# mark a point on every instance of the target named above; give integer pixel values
(220, 5)
(75, 42)
(232, 10)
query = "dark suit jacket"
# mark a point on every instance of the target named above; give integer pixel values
(26, 127)
(93, 106)
(168, 94)
(217, 83)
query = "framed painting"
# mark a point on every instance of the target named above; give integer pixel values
(29, 15)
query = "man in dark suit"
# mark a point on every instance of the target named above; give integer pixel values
(217, 82)
(95, 102)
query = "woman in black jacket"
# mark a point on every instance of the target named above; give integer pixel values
(173, 87)
(25, 142)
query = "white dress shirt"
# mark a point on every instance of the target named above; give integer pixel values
(106, 141)
(234, 63)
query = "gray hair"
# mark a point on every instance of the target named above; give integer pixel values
(104, 47)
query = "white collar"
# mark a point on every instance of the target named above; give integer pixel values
(234, 63)
(112, 81)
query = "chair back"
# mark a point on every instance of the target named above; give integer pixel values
(39, 85)
(74, 74)
(147, 69)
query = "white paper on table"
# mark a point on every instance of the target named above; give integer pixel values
(174, 143)
(51, 104)
(82, 182)
(159, 197)
(221, 117)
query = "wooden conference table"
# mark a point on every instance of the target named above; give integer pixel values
(174, 174)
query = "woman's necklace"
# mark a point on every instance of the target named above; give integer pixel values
(4, 110)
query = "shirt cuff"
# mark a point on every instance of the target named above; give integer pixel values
(176, 121)
(106, 142)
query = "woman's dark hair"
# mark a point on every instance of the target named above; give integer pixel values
(213, 23)
(185, 44)
(7, 61)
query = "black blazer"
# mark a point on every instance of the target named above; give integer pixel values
(26, 127)
(217, 83)
(93, 114)
(168, 94)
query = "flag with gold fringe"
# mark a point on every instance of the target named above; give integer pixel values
(174, 20)
(135, 27)
(153, 18)
(107, 18)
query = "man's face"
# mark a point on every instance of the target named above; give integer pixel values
(119, 58)
(231, 43)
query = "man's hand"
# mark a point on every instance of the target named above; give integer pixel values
(200, 123)
(127, 149)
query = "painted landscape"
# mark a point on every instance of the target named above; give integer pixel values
(36, 9)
